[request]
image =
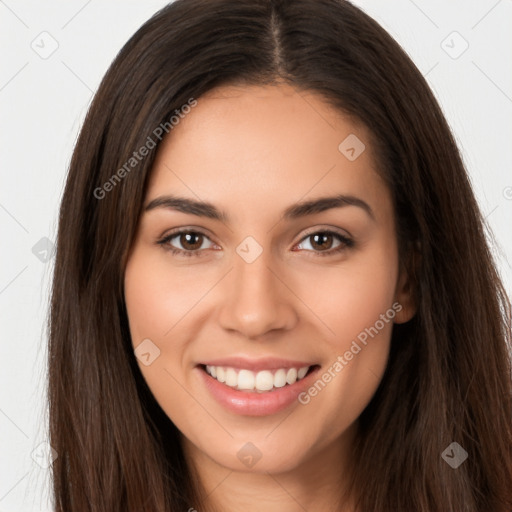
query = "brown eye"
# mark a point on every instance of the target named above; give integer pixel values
(325, 243)
(191, 241)
(186, 243)
(321, 241)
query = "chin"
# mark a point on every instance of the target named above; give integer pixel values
(260, 455)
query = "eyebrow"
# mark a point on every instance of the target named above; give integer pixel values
(295, 211)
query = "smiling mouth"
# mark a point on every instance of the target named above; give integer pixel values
(264, 381)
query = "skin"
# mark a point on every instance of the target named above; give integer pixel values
(253, 152)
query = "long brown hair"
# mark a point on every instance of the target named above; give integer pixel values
(449, 373)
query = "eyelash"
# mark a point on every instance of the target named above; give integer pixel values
(345, 242)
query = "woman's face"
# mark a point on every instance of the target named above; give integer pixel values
(287, 263)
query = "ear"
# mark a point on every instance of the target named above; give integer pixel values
(406, 288)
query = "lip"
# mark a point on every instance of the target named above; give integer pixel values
(255, 404)
(256, 365)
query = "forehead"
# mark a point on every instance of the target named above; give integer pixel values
(266, 144)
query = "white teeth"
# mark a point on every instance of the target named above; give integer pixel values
(264, 380)
(291, 376)
(300, 373)
(261, 381)
(280, 378)
(245, 379)
(231, 377)
(221, 374)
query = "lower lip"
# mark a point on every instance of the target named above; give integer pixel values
(255, 404)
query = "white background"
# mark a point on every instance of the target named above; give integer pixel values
(43, 103)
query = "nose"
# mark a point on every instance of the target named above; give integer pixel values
(257, 300)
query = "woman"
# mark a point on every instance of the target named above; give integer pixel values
(272, 284)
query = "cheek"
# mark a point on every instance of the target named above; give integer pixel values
(351, 296)
(157, 304)
(360, 311)
(158, 298)
(356, 302)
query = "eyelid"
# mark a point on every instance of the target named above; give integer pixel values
(326, 229)
(345, 242)
(187, 229)
(345, 239)
(165, 239)
(309, 231)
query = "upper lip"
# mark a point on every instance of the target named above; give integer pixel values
(264, 363)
